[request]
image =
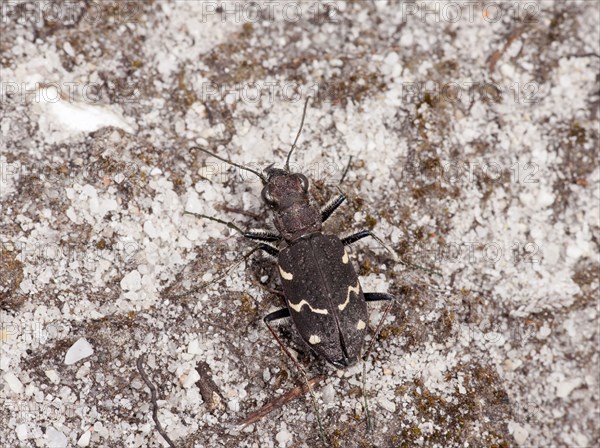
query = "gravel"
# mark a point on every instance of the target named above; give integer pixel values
(474, 156)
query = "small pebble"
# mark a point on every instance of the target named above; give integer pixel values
(266, 375)
(564, 389)
(283, 437)
(194, 347)
(132, 281)
(21, 431)
(188, 379)
(328, 393)
(519, 433)
(13, 382)
(544, 332)
(84, 440)
(52, 375)
(386, 404)
(55, 438)
(81, 349)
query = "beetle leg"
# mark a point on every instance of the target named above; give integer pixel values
(271, 250)
(377, 296)
(281, 314)
(254, 234)
(350, 239)
(262, 235)
(276, 315)
(331, 207)
(267, 248)
(373, 297)
(346, 170)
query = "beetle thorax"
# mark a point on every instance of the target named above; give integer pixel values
(299, 219)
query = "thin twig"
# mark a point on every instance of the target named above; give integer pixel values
(159, 428)
(300, 369)
(497, 54)
(281, 401)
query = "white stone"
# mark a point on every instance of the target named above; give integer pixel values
(551, 253)
(72, 117)
(573, 251)
(233, 405)
(55, 438)
(545, 198)
(392, 58)
(508, 71)
(81, 349)
(13, 382)
(194, 347)
(84, 440)
(83, 371)
(581, 439)
(69, 49)
(52, 375)
(406, 39)
(544, 332)
(386, 404)
(564, 388)
(266, 375)
(519, 433)
(132, 281)
(150, 229)
(21, 431)
(189, 379)
(283, 437)
(328, 393)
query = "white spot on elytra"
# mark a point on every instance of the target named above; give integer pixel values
(285, 275)
(314, 339)
(351, 289)
(298, 306)
(345, 257)
(361, 325)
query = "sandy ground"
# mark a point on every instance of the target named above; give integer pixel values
(473, 132)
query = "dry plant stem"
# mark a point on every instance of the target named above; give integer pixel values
(159, 428)
(281, 401)
(305, 378)
(496, 55)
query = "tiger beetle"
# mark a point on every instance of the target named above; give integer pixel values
(323, 295)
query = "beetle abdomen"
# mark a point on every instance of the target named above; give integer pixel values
(324, 296)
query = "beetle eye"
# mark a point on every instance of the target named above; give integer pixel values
(266, 196)
(304, 181)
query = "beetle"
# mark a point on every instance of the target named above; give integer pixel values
(322, 292)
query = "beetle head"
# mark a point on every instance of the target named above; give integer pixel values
(284, 189)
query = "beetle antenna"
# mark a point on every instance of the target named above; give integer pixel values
(263, 178)
(212, 218)
(287, 161)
